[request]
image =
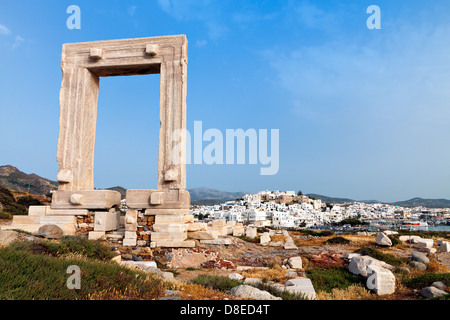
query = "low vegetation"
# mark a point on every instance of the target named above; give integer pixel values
(283, 294)
(313, 233)
(276, 273)
(68, 245)
(337, 240)
(216, 282)
(426, 279)
(328, 279)
(263, 229)
(379, 255)
(352, 292)
(5, 215)
(26, 276)
(395, 240)
(28, 201)
(9, 204)
(248, 239)
(224, 284)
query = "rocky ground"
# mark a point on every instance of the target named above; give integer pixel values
(249, 261)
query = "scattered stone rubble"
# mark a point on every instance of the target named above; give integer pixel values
(427, 245)
(436, 290)
(383, 240)
(249, 292)
(379, 274)
(298, 285)
(6, 237)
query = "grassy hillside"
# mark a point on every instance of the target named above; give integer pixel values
(23, 277)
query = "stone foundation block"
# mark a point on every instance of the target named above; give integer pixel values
(168, 236)
(170, 227)
(203, 235)
(172, 244)
(106, 221)
(96, 235)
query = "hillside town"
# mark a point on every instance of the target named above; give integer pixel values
(291, 210)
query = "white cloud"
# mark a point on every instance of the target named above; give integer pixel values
(18, 40)
(313, 17)
(201, 43)
(205, 11)
(4, 30)
(379, 105)
(132, 10)
(398, 75)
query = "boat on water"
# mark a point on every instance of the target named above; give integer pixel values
(415, 223)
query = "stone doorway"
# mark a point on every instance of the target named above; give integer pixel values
(165, 209)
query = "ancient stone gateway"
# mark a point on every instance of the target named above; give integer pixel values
(165, 209)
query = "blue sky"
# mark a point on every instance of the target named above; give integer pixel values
(362, 113)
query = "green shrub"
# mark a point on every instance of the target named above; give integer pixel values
(191, 269)
(337, 240)
(9, 203)
(328, 279)
(325, 233)
(395, 240)
(252, 240)
(5, 215)
(28, 201)
(426, 279)
(444, 297)
(216, 282)
(27, 276)
(377, 254)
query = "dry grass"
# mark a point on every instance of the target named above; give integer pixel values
(402, 292)
(74, 256)
(361, 240)
(309, 242)
(127, 294)
(276, 273)
(359, 292)
(353, 292)
(356, 241)
(277, 238)
(436, 267)
(198, 292)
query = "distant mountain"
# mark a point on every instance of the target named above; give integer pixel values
(329, 199)
(120, 189)
(200, 196)
(429, 203)
(206, 202)
(213, 194)
(14, 179)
